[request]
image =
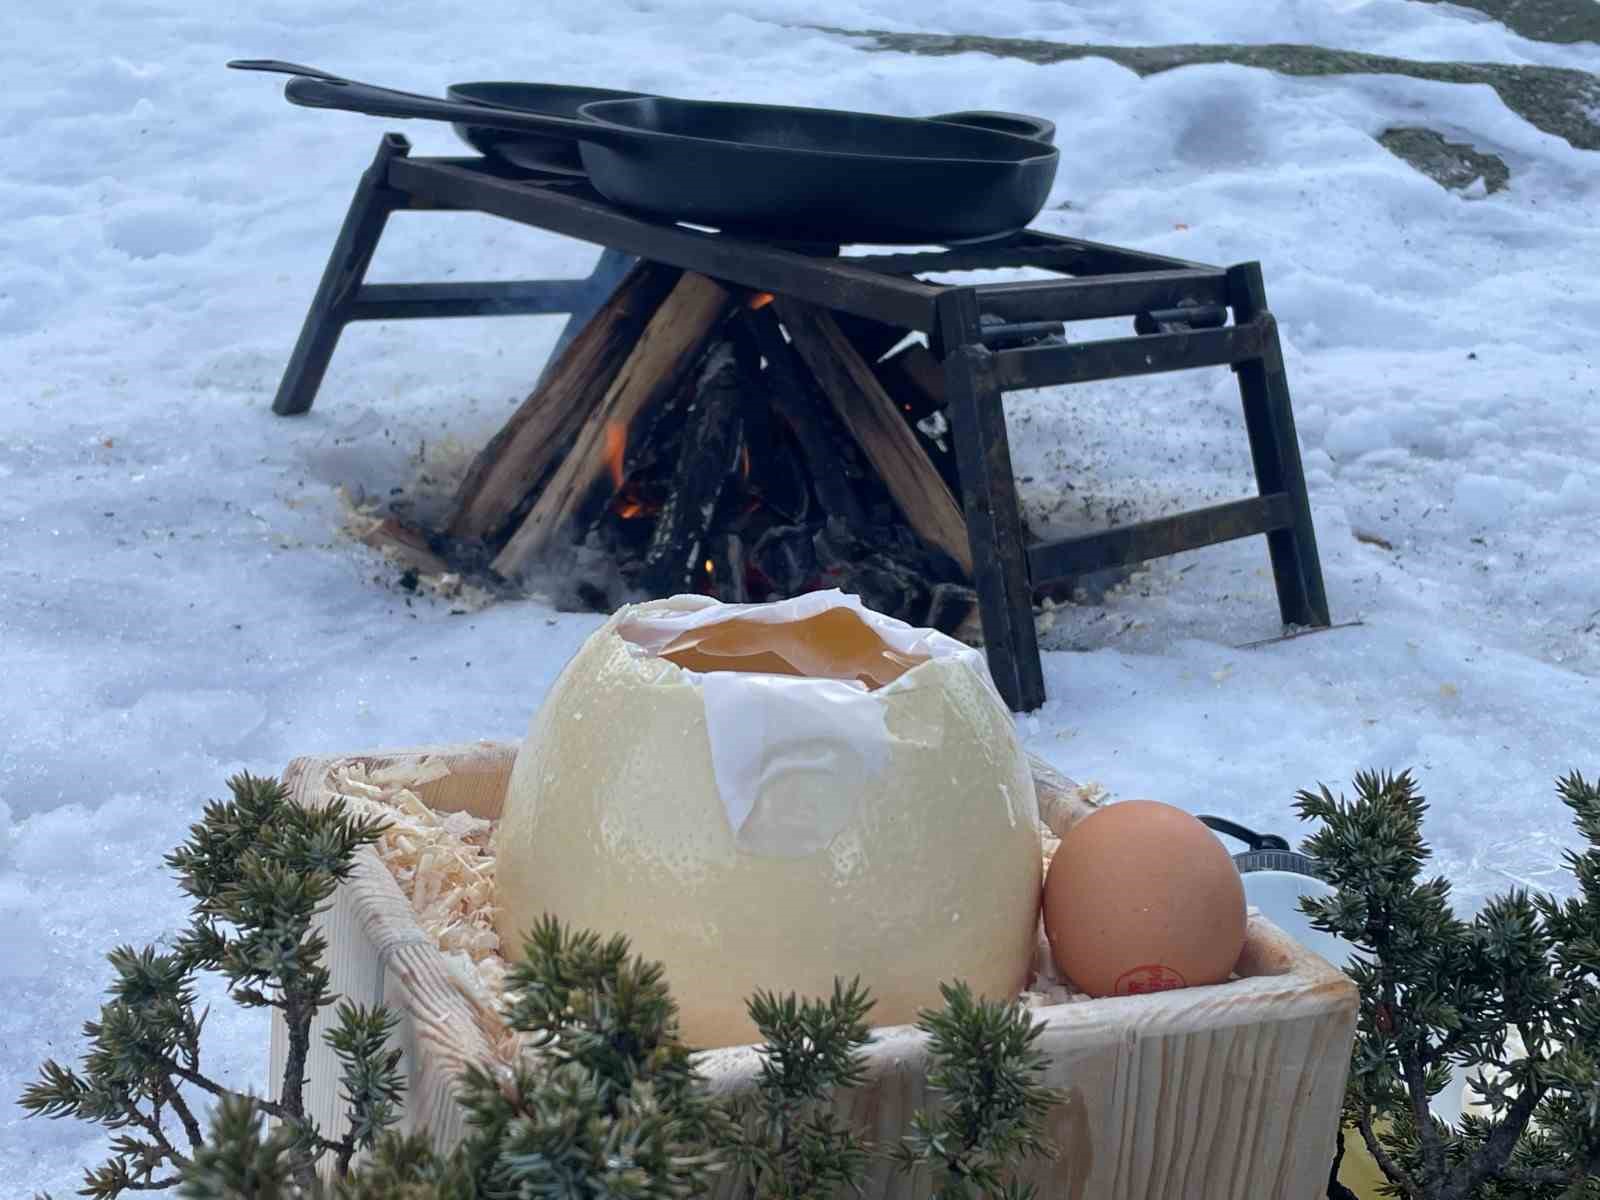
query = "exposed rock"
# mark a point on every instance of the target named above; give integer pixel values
(1454, 165)
(1542, 20)
(1556, 100)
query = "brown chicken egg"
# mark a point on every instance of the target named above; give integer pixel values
(1142, 897)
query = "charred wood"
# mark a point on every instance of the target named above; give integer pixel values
(735, 590)
(666, 349)
(708, 460)
(784, 560)
(924, 500)
(951, 607)
(803, 409)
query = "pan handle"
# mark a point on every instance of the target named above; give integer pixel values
(351, 96)
(1256, 841)
(281, 68)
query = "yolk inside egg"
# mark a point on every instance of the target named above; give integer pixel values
(834, 644)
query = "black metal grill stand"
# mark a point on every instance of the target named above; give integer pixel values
(1181, 312)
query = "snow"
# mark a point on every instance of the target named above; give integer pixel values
(176, 603)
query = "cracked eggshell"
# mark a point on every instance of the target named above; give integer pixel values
(930, 870)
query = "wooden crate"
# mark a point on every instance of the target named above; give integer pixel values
(1208, 1093)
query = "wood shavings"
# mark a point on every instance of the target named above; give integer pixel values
(444, 864)
(406, 546)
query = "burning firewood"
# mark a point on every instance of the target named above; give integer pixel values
(665, 351)
(709, 456)
(672, 449)
(528, 445)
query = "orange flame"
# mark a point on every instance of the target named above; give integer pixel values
(761, 300)
(616, 447)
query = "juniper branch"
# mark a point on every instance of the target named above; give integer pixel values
(152, 1126)
(1396, 1174)
(985, 1064)
(373, 1085)
(186, 1117)
(259, 869)
(1438, 993)
(783, 1138)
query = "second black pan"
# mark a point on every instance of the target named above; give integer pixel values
(537, 151)
(801, 174)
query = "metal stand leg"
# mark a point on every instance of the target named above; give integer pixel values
(341, 279)
(989, 496)
(1269, 418)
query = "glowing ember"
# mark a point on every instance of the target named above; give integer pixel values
(761, 300)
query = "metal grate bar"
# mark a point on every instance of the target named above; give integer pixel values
(399, 301)
(1109, 296)
(1045, 366)
(1051, 561)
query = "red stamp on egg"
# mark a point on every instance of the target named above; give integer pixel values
(1152, 977)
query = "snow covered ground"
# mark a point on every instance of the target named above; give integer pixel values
(176, 604)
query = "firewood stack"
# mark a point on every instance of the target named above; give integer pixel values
(704, 439)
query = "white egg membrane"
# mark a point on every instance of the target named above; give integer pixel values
(768, 729)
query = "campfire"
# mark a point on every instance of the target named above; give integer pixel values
(700, 438)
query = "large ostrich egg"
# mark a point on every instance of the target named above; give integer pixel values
(754, 830)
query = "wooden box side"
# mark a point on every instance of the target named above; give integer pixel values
(1219, 1092)
(378, 954)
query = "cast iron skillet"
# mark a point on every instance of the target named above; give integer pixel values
(559, 154)
(798, 173)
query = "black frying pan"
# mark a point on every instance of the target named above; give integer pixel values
(540, 152)
(559, 153)
(800, 173)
